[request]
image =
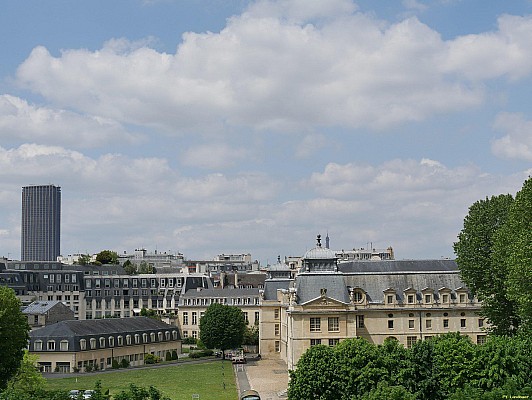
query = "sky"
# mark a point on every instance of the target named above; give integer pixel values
(231, 126)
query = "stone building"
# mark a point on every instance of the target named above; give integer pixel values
(69, 346)
(326, 302)
(42, 313)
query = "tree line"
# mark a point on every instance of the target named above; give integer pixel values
(449, 366)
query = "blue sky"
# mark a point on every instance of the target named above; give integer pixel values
(210, 127)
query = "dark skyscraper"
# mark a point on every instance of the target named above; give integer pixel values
(41, 223)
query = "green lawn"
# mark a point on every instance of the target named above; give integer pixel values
(178, 382)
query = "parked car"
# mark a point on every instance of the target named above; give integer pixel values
(74, 394)
(88, 394)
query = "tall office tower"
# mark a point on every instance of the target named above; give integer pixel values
(41, 223)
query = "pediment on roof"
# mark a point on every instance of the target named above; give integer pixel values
(324, 302)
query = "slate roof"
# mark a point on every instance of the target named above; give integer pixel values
(395, 266)
(272, 285)
(90, 327)
(309, 287)
(375, 284)
(41, 307)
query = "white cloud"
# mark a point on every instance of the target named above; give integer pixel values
(120, 202)
(414, 5)
(310, 145)
(214, 156)
(270, 69)
(21, 121)
(517, 143)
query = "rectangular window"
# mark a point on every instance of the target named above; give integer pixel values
(315, 324)
(481, 339)
(445, 298)
(256, 317)
(333, 342)
(194, 318)
(277, 329)
(446, 323)
(277, 346)
(246, 317)
(185, 318)
(428, 298)
(462, 323)
(51, 345)
(410, 299)
(390, 324)
(480, 322)
(315, 342)
(462, 298)
(333, 324)
(411, 324)
(389, 299)
(428, 324)
(410, 341)
(360, 321)
(276, 313)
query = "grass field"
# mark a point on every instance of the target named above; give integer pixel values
(179, 382)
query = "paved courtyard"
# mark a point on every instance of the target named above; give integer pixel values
(269, 377)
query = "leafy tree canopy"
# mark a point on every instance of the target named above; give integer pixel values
(13, 333)
(129, 267)
(107, 257)
(494, 254)
(449, 366)
(222, 327)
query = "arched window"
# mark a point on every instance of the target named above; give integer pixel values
(37, 345)
(160, 336)
(93, 343)
(145, 337)
(152, 337)
(137, 338)
(111, 341)
(63, 345)
(120, 340)
(83, 344)
(51, 345)
(167, 335)
(128, 340)
(174, 335)
(102, 342)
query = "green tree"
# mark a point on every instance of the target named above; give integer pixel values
(454, 356)
(222, 327)
(251, 335)
(480, 265)
(84, 259)
(514, 240)
(13, 333)
(107, 257)
(28, 378)
(145, 312)
(317, 376)
(129, 267)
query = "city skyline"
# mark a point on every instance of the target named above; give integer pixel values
(251, 126)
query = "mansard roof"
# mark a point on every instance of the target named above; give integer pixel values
(375, 284)
(272, 285)
(90, 327)
(398, 266)
(309, 287)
